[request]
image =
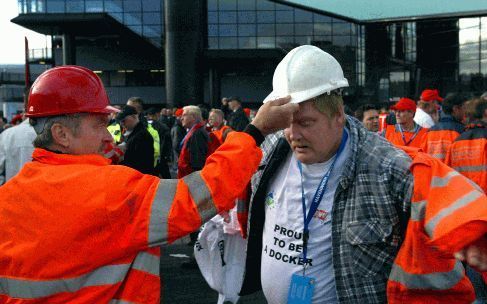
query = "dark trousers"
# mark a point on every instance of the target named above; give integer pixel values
(163, 169)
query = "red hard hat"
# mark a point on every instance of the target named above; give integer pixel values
(67, 89)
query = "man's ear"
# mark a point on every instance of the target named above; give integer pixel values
(340, 116)
(61, 135)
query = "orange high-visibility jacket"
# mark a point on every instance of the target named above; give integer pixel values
(448, 212)
(216, 140)
(114, 153)
(75, 229)
(440, 137)
(468, 154)
(393, 135)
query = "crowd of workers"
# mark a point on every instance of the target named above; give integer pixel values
(386, 206)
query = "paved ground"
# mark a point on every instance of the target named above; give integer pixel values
(187, 286)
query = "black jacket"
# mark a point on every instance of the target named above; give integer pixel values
(238, 120)
(198, 148)
(177, 134)
(164, 139)
(139, 153)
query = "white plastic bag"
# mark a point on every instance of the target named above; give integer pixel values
(221, 259)
(230, 222)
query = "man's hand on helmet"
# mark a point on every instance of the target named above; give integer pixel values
(275, 115)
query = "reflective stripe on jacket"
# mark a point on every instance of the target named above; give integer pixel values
(393, 135)
(113, 152)
(382, 121)
(447, 213)
(468, 154)
(76, 230)
(440, 137)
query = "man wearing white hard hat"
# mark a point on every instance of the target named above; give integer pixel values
(331, 201)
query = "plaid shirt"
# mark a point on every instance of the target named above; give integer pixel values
(370, 211)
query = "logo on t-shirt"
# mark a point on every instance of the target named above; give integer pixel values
(321, 215)
(269, 200)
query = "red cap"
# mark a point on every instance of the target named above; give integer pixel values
(16, 119)
(404, 104)
(178, 112)
(430, 95)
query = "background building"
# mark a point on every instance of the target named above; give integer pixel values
(387, 48)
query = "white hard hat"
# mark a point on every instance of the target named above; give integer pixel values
(306, 72)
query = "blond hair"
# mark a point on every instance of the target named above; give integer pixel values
(329, 104)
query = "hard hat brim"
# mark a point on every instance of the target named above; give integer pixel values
(298, 97)
(106, 110)
(111, 109)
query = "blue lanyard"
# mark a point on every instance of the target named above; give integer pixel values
(317, 197)
(416, 130)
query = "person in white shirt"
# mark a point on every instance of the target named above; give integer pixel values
(16, 149)
(427, 112)
(303, 225)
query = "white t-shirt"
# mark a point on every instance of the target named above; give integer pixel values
(283, 230)
(423, 119)
(16, 149)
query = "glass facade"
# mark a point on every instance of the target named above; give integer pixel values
(396, 83)
(263, 24)
(473, 51)
(144, 17)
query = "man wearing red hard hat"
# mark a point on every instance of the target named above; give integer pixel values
(77, 229)
(428, 105)
(405, 132)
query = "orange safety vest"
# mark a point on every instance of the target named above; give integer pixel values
(447, 213)
(184, 161)
(440, 137)
(411, 139)
(468, 154)
(75, 229)
(217, 138)
(113, 152)
(383, 121)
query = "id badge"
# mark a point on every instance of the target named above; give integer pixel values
(300, 290)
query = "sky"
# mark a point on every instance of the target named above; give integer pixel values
(12, 50)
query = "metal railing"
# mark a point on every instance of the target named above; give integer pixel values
(44, 54)
(12, 78)
(7, 93)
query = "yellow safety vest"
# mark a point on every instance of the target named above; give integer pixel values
(157, 143)
(116, 132)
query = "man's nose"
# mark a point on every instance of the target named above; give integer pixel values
(294, 132)
(107, 136)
